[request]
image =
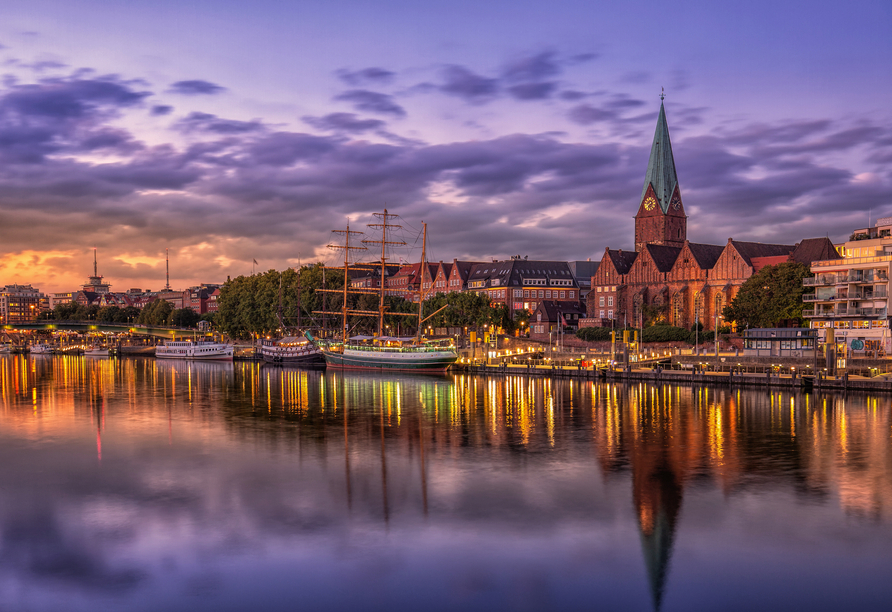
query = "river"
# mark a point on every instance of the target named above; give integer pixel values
(135, 484)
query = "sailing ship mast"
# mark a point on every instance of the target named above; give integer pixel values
(383, 226)
(421, 284)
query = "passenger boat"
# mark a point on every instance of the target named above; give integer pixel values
(96, 351)
(295, 351)
(42, 349)
(382, 352)
(5, 347)
(189, 349)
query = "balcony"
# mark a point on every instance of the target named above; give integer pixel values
(844, 312)
(821, 279)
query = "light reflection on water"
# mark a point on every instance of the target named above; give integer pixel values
(141, 485)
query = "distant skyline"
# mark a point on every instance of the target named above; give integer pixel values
(230, 131)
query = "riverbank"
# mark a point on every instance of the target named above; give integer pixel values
(659, 374)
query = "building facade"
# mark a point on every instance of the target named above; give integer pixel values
(851, 295)
(669, 278)
(19, 304)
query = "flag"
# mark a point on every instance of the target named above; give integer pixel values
(255, 262)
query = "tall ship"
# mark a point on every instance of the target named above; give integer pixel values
(197, 350)
(382, 352)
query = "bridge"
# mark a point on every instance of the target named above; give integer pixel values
(83, 327)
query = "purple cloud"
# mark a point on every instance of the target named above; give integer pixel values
(461, 82)
(372, 102)
(366, 76)
(161, 109)
(196, 87)
(206, 122)
(344, 122)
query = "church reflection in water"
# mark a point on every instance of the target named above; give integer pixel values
(406, 444)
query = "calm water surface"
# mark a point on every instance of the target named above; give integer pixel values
(141, 485)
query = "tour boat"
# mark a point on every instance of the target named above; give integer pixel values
(42, 349)
(188, 349)
(5, 347)
(96, 351)
(296, 351)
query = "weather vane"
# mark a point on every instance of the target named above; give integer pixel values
(662, 94)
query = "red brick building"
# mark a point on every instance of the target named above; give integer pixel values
(668, 277)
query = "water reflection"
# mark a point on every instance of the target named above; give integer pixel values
(136, 484)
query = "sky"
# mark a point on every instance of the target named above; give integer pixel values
(229, 132)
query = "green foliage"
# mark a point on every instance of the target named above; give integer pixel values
(184, 317)
(592, 334)
(666, 333)
(468, 309)
(156, 313)
(772, 295)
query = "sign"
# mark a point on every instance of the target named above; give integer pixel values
(857, 345)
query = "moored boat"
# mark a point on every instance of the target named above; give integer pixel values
(96, 351)
(383, 352)
(295, 351)
(42, 349)
(386, 353)
(199, 350)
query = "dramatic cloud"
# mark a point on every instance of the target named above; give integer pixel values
(372, 102)
(196, 87)
(461, 82)
(206, 122)
(220, 191)
(366, 76)
(346, 122)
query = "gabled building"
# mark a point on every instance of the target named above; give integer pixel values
(551, 317)
(522, 284)
(668, 277)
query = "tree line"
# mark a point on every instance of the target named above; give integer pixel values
(271, 301)
(160, 312)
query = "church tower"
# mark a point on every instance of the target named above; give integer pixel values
(660, 218)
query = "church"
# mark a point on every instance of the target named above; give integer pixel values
(669, 278)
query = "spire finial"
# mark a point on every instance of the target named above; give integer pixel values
(662, 94)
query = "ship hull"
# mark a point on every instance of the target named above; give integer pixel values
(370, 360)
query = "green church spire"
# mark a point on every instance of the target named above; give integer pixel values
(661, 166)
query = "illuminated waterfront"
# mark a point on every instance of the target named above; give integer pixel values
(141, 485)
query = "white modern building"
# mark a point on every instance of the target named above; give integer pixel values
(851, 295)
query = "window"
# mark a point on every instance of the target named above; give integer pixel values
(518, 293)
(601, 301)
(610, 301)
(526, 293)
(602, 314)
(571, 295)
(541, 294)
(609, 314)
(548, 294)
(563, 294)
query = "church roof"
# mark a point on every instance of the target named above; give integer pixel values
(622, 260)
(661, 166)
(706, 254)
(664, 256)
(814, 249)
(748, 250)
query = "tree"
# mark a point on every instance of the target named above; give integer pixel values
(156, 313)
(184, 317)
(772, 295)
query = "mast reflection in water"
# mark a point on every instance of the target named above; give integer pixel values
(143, 485)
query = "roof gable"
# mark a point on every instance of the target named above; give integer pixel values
(663, 256)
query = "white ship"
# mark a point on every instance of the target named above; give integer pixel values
(187, 349)
(42, 349)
